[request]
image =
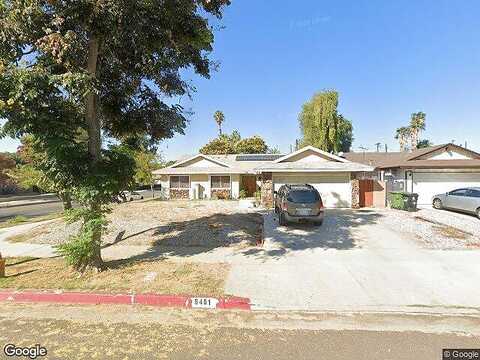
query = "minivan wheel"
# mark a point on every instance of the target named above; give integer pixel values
(478, 213)
(437, 204)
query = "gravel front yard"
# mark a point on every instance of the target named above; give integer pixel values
(167, 223)
(436, 229)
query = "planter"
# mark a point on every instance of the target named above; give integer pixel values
(2, 268)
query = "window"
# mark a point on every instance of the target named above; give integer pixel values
(474, 193)
(459, 192)
(303, 196)
(179, 182)
(220, 182)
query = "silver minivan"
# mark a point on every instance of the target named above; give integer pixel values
(465, 200)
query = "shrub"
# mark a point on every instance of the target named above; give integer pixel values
(397, 200)
(242, 194)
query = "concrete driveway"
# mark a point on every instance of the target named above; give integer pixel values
(355, 261)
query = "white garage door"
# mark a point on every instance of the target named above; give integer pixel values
(429, 184)
(335, 188)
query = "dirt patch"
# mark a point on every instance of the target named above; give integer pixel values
(168, 223)
(451, 232)
(161, 277)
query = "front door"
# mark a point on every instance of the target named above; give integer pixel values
(249, 184)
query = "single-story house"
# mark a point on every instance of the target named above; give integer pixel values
(225, 176)
(428, 171)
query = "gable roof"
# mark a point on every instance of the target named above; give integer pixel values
(425, 151)
(256, 163)
(314, 149)
(198, 156)
(405, 159)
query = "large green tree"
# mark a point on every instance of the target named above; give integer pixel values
(322, 126)
(28, 172)
(104, 68)
(235, 144)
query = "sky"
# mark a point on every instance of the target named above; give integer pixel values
(387, 59)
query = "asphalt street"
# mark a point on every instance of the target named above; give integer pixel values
(70, 333)
(42, 209)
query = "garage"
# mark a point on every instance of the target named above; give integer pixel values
(429, 183)
(334, 187)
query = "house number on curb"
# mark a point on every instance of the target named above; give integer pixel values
(204, 303)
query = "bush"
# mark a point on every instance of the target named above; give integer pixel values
(80, 249)
(242, 194)
(397, 200)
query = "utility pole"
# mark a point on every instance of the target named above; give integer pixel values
(364, 150)
(386, 148)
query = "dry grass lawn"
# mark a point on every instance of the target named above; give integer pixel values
(160, 276)
(451, 232)
(166, 223)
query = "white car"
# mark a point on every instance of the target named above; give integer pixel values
(465, 200)
(130, 196)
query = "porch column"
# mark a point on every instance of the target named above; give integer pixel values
(267, 190)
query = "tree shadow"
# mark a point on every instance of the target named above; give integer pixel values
(23, 261)
(195, 236)
(340, 231)
(21, 273)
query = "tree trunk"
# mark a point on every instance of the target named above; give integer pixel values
(94, 144)
(152, 190)
(66, 200)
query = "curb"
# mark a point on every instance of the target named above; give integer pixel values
(11, 204)
(178, 301)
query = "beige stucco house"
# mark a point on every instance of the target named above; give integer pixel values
(225, 176)
(427, 172)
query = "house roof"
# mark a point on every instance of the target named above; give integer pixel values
(318, 166)
(233, 164)
(315, 150)
(414, 159)
(256, 163)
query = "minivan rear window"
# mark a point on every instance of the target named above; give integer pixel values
(303, 196)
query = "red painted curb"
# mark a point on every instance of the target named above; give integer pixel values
(179, 301)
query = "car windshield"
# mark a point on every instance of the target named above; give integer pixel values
(303, 196)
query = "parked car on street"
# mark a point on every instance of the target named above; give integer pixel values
(298, 203)
(129, 196)
(465, 200)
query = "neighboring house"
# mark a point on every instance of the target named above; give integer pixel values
(428, 171)
(223, 176)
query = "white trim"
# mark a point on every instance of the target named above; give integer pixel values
(314, 149)
(197, 156)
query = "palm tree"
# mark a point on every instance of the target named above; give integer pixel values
(417, 124)
(402, 134)
(219, 118)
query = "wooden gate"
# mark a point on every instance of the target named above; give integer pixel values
(366, 193)
(249, 184)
